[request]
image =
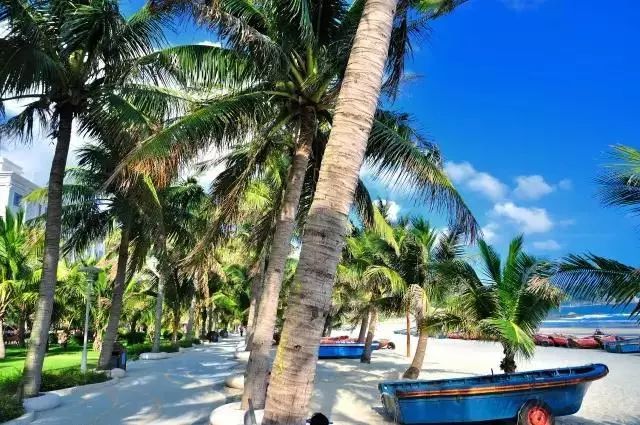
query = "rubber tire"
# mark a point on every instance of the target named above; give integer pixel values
(523, 414)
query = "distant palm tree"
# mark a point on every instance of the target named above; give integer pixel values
(423, 251)
(17, 263)
(508, 301)
(368, 268)
(596, 278)
(71, 61)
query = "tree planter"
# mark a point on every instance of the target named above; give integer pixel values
(242, 356)
(44, 401)
(235, 381)
(154, 356)
(231, 414)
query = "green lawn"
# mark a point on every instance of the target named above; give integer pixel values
(56, 359)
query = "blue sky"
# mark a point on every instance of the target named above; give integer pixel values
(524, 98)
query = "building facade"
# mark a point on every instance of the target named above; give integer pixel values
(14, 186)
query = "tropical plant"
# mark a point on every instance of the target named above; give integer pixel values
(596, 278)
(423, 251)
(369, 268)
(510, 299)
(17, 263)
(71, 61)
(326, 224)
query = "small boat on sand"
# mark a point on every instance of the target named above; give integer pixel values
(531, 398)
(584, 342)
(623, 346)
(343, 350)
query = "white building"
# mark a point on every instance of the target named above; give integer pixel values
(14, 187)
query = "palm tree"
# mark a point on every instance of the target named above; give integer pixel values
(97, 205)
(423, 250)
(70, 60)
(509, 301)
(17, 263)
(325, 227)
(596, 278)
(368, 267)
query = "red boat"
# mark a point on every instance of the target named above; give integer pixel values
(544, 340)
(585, 342)
(604, 339)
(560, 340)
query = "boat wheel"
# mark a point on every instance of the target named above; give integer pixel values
(535, 412)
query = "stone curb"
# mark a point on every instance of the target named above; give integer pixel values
(72, 390)
(27, 418)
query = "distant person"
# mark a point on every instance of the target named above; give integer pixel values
(241, 330)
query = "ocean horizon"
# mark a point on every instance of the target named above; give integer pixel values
(592, 316)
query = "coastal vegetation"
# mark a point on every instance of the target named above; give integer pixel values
(287, 240)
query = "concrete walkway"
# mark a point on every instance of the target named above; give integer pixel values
(179, 390)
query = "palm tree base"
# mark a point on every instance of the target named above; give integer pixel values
(411, 373)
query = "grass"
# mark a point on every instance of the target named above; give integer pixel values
(61, 370)
(56, 358)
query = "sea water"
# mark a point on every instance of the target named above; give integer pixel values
(592, 316)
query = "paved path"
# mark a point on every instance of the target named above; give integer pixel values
(179, 390)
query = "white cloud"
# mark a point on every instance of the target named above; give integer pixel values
(530, 220)
(547, 245)
(481, 182)
(210, 43)
(521, 5)
(489, 232)
(565, 184)
(532, 187)
(393, 209)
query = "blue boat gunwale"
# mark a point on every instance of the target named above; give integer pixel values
(554, 378)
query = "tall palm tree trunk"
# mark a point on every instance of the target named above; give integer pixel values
(115, 310)
(21, 329)
(2, 350)
(368, 345)
(32, 372)
(418, 358)
(255, 387)
(291, 383)
(363, 328)
(163, 271)
(256, 293)
(191, 320)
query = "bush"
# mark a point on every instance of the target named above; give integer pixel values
(196, 341)
(169, 335)
(10, 408)
(185, 343)
(71, 377)
(135, 338)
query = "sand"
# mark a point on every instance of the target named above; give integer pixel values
(348, 389)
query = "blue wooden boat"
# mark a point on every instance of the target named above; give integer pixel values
(344, 350)
(533, 397)
(624, 346)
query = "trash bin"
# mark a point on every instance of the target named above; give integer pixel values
(118, 357)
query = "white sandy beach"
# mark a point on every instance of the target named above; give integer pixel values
(348, 389)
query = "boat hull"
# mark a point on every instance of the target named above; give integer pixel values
(627, 346)
(488, 398)
(347, 350)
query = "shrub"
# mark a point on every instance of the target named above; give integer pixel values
(10, 408)
(196, 341)
(135, 338)
(71, 377)
(185, 343)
